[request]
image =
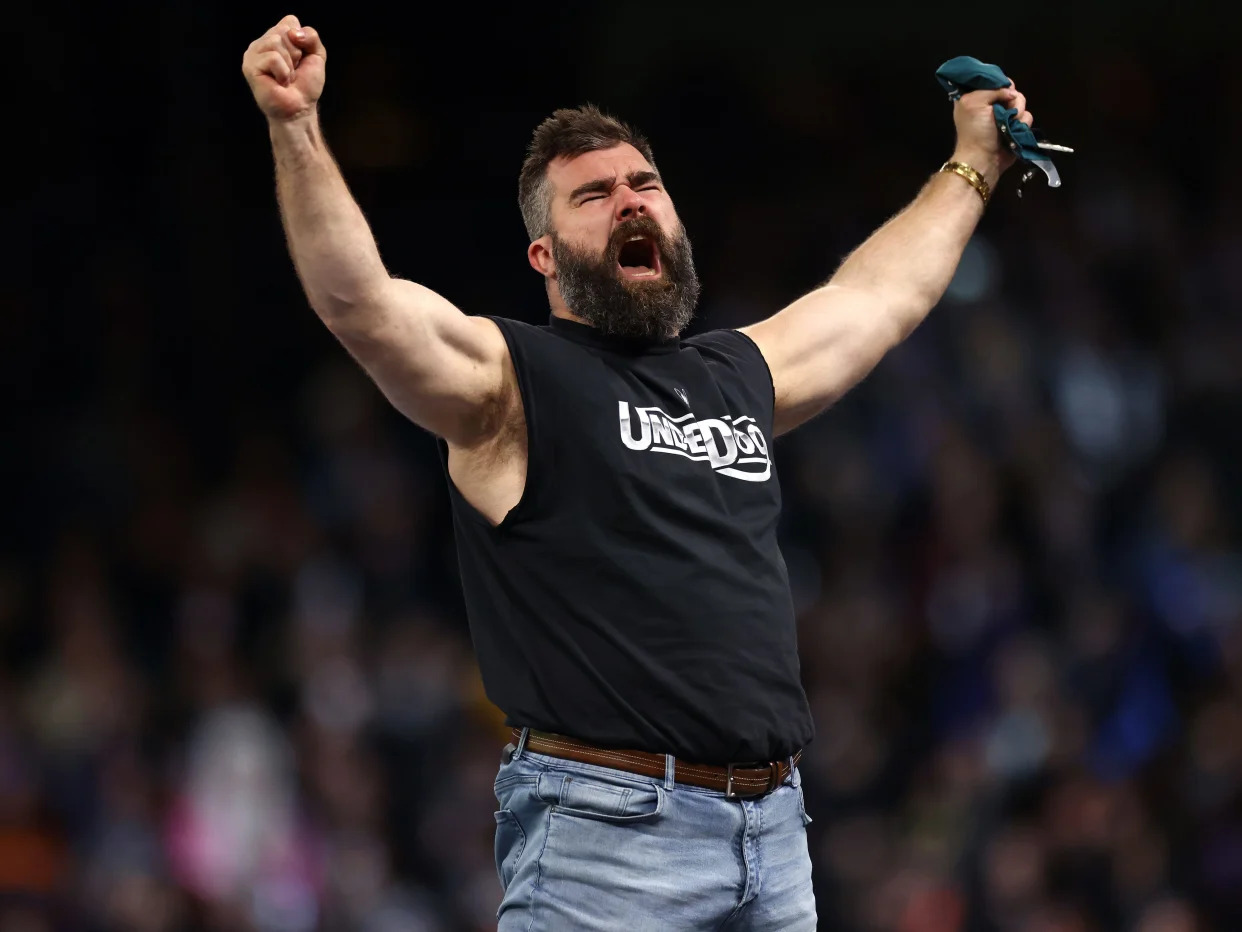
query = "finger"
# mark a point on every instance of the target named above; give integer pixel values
(307, 39)
(1027, 117)
(287, 43)
(1019, 102)
(1001, 95)
(274, 43)
(274, 64)
(286, 23)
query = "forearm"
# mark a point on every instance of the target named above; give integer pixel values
(821, 345)
(329, 239)
(907, 264)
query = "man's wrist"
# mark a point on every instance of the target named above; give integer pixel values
(301, 132)
(971, 177)
(987, 165)
(308, 117)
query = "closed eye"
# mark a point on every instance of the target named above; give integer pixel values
(600, 197)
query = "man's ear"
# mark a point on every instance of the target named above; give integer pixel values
(539, 254)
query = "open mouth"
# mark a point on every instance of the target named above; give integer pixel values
(639, 258)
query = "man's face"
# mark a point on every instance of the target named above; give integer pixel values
(620, 257)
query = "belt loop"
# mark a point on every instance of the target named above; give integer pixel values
(795, 778)
(521, 745)
(670, 771)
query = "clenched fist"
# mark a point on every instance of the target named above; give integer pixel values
(285, 69)
(978, 143)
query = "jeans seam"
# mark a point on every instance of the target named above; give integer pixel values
(547, 832)
(758, 852)
(742, 902)
(521, 847)
(499, 785)
(569, 766)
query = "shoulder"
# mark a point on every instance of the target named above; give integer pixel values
(537, 337)
(508, 326)
(733, 349)
(727, 345)
(526, 344)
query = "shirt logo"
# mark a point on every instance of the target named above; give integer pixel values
(732, 446)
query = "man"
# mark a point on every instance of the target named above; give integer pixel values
(615, 504)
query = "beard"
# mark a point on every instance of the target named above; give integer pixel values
(594, 288)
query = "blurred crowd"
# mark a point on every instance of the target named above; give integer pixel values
(236, 685)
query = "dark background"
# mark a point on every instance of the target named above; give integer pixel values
(236, 688)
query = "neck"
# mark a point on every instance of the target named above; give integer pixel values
(559, 308)
(565, 314)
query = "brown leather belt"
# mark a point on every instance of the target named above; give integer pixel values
(734, 780)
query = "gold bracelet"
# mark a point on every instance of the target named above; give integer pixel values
(975, 179)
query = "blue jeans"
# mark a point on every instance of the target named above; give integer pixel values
(580, 847)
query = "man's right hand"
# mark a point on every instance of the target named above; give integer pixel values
(285, 69)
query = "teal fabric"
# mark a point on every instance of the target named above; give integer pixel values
(963, 74)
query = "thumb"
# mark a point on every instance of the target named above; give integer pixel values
(307, 39)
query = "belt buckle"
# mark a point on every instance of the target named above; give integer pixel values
(729, 794)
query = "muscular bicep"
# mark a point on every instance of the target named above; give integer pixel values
(447, 372)
(820, 346)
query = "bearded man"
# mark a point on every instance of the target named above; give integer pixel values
(615, 505)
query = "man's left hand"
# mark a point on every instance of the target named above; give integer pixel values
(979, 142)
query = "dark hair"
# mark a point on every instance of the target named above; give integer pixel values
(566, 133)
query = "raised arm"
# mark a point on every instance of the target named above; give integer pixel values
(445, 371)
(828, 340)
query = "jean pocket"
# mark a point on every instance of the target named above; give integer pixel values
(510, 842)
(607, 801)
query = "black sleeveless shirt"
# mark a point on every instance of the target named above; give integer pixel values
(636, 597)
